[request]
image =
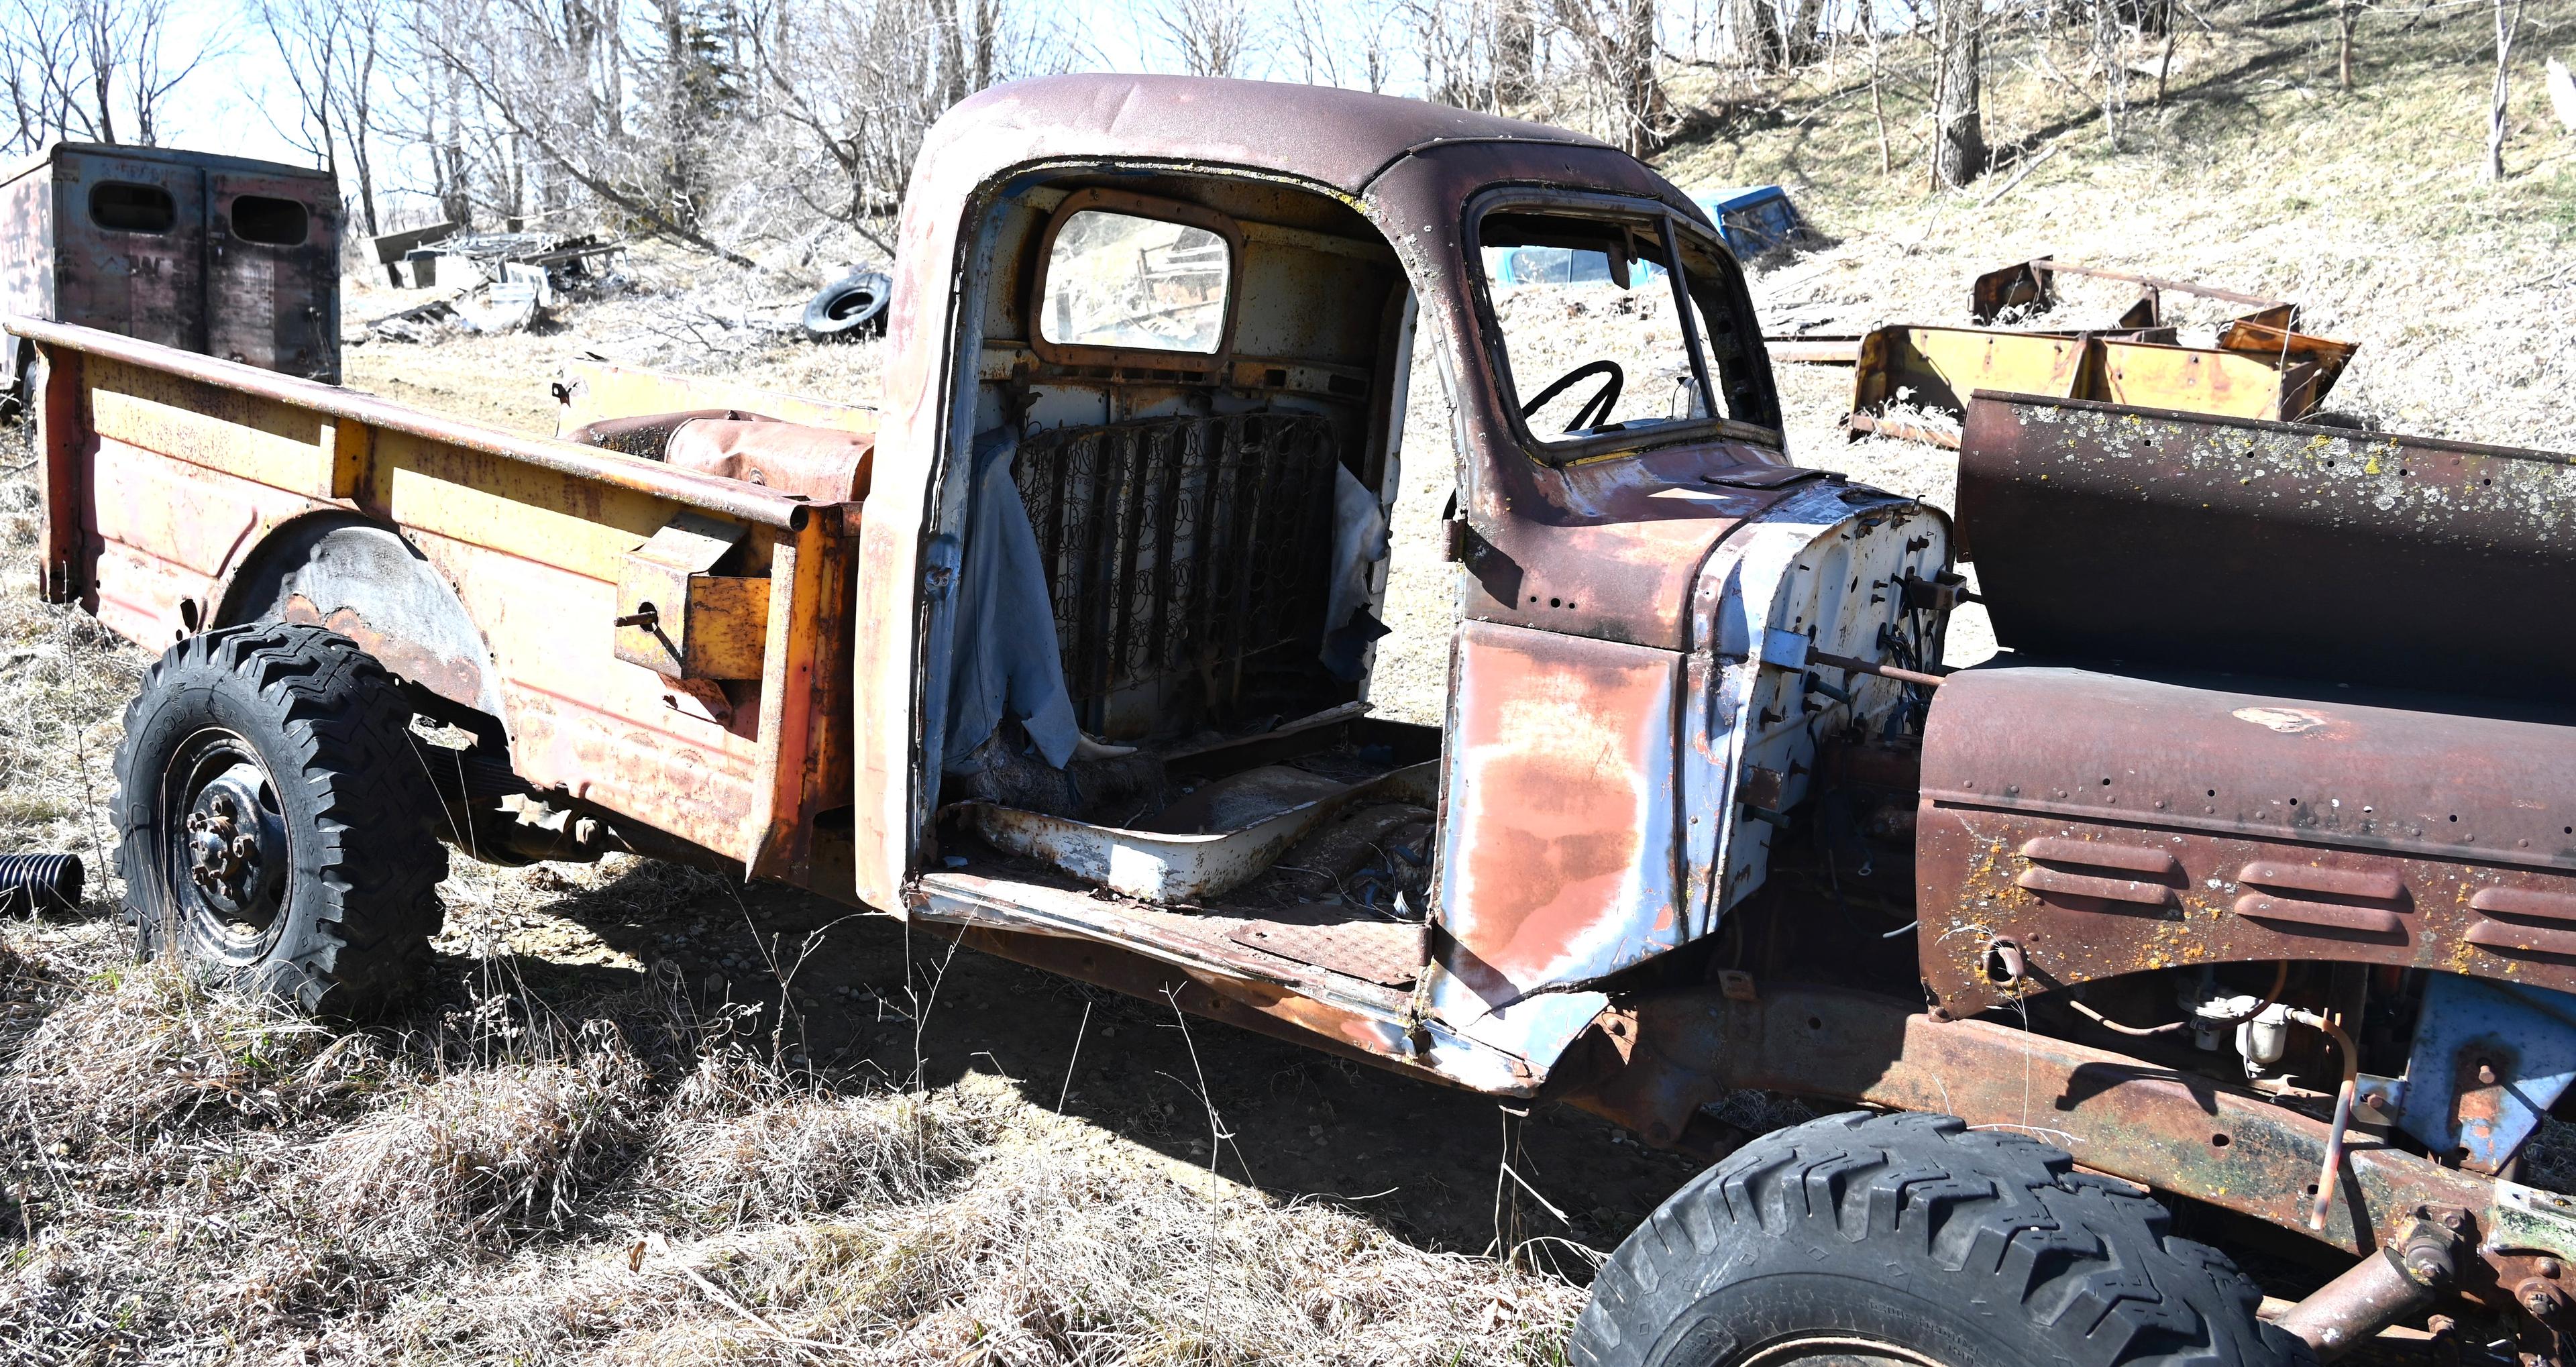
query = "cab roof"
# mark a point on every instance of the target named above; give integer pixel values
(1342, 138)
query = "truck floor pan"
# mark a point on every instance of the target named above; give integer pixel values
(1164, 867)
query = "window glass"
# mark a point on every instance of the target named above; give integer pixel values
(1592, 336)
(125, 207)
(268, 219)
(1118, 280)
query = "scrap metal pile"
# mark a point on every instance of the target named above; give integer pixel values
(498, 282)
(1912, 382)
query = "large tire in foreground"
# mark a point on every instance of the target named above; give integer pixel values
(279, 832)
(1871, 1241)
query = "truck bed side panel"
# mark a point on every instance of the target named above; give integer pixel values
(180, 468)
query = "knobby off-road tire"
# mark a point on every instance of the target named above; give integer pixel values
(1909, 1239)
(279, 832)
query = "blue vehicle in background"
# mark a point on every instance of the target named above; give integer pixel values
(1752, 221)
(1755, 220)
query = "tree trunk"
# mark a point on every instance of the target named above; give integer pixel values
(1959, 135)
(2499, 113)
(2345, 13)
(1757, 31)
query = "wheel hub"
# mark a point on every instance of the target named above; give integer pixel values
(236, 846)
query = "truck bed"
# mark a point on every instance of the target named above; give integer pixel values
(167, 475)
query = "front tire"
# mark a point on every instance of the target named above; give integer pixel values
(1873, 1241)
(279, 832)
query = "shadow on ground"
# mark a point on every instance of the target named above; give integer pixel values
(871, 999)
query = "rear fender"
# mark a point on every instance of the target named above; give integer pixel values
(366, 582)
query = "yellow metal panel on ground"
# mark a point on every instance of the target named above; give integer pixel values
(2223, 383)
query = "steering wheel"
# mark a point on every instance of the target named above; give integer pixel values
(1595, 410)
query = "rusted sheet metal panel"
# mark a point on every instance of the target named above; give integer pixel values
(272, 273)
(264, 440)
(1356, 1015)
(1416, 165)
(1937, 368)
(592, 391)
(596, 469)
(2164, 539)
(147, 285)
(804, 765)
(2108, 825)
(161, 534)
(2113, 1113)
(1564, 812)
(1166, 868)
(64, 444)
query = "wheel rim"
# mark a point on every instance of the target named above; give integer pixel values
(227, 855)
(1837, 1351)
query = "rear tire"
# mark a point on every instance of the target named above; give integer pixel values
(279, 832)
(1910, 1239)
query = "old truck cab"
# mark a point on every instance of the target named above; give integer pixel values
(1190, 311)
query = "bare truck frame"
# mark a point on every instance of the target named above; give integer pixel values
(2247, 874)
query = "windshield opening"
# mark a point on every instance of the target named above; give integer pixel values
(1596, 340)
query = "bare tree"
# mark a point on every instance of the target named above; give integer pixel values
(1213, 37)
(1958, 120)
(330, 52)
(99, 70)
(852, 87)
(2499, 115)
(1616, 41)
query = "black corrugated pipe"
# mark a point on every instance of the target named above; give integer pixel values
(41, 882)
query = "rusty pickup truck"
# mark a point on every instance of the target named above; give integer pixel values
(2240, 890)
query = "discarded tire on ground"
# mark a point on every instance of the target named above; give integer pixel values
(852, 306)
(39, 883)
(1871, 1241)
(278, 830)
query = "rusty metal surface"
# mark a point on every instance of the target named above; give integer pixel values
(1617, 562)
(593, 391)
(2116, 1114)
(203, 281)
(817, 463)
(586, 464)
(1165, 868)
(2107, 824)
(181, 472)
(1388, 953)
(2164, 539)
(1936, 369)
(1562, 811)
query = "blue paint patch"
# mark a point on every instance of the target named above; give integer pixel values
(2527, 1035)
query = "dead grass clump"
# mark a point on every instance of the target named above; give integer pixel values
(151, 1048)
(736, 1155)
(496, 1150)
(1051, 1254)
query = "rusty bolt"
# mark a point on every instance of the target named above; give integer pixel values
(2486, 1073)
(2547, 1267)
(2452, 1220)
(2539, 1297)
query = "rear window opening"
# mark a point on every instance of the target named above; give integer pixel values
(270, 221)
(125, 207)
(1136, 283)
